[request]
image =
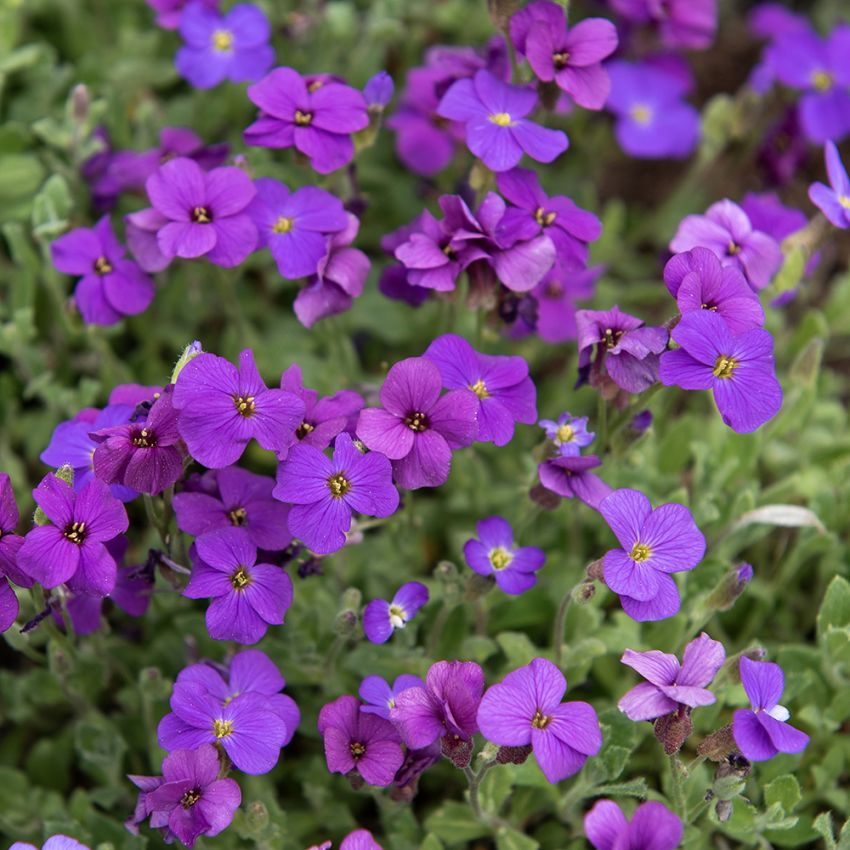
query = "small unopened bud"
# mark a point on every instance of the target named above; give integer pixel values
(549, 95)
(673, 730)
(729, 588)
(190, 352)
(80, 104)
(355, 780)
(378, 91)
(478, 586)
(501, 11)
(641, 421)
(732, 667)
(257, 817)
(352, 598)
(719, 745)
(543, 497)
(345, 624)
(728, 787)
(594, 571)
(513, 755)
(723, 810)
(458, 751)
(583, 592)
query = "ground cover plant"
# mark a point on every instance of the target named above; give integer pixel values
(424, 424)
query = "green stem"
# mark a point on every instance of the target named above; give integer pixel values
(437, 629)
(678, 778)
(601, 424)
(558, 629)
(474, 778)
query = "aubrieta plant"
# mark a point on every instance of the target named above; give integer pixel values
(424, 425)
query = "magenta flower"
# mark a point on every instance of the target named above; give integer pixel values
(689, 24)
(570, 477)
(326, 492)
(698, 281)
(737, 368)
(204, 213)
(243, 501)
(495, 554)
(55, 842)
(222, 408)
(654, 544)
(169, 12)
(361, 742)
(10, 543)
(249, 731)
(219, 47)
(726, 230)
(316, 119)
(142, 229)
(571, 57)
(70, 548)
(247, 597)
(670, 685)
(379, 698)
(525, 708)
(556, 297)
(110, 286)
(568, 434)
(192, 800)
(505, 393)
(497, 130)
(416, 428)
(833, 200)
(295, 225)
(763, 732)
(382, 618)
(360, 839)
(653, 827)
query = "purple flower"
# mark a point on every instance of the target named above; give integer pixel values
(203, 213)
(525, 708)
(110, 287)
(357, 741)
(169, 12)
(10, 543)
(495, 554)
(670, 685)
(697, 281)
(382, 618)
(570, 477)
(571, 57)
(762, 732)
(556, 296)
(247, 597)
(70, 548)
(505, 393)
(628, 349)
(326, 492)
(223, 407)
(219, 47)
(243, 501)
(737, 368)
(379, 697)
(378, 91)
(568, 226)
(317, 119)
(833, 202)
(653, 121)
(653, 827)
(726, 230)
(445, 707)
(416, 428)
(340, 277)
(497, 130)
(655, 543)
(295, 225)
(783, 150)
(569, 434)
(142, 229)
(55, 842)
(360, 839)
(689, 24)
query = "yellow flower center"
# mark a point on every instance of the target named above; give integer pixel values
(844, 200)
(724, 367)
(144, 439)
(480, 389)
(283, 225)
(560, 58)
(822, 80)
(733, 249)
(245, 404)
(102, 266)
(222, 40)
(641, 114)
(222, 728)
(76, 532)
(304, 429)
(240, 579)
(315, 85)
(640, 552)
(190, 798)
(398, 616)
(500, 558)
(357, 749)
(201, 215)
(543, 218)
(302, 119)
(540, 720)
(416, 421)
(502, 119)
(339, 485)
(237, 516)
(564, 434)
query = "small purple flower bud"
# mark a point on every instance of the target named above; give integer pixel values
(378, 91)
(730, 587)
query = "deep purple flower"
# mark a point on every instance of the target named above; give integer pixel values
(495, 554)
(416, 428)
(169, 12)
(654, 544)
(571, 57)
(247, 728)
(382, 618)
(784, 150)
(142, 229)
(339, 279)
(653, 121)
(10, 543)
(360, 839)
(223, 407)
(55, 842)
(505, 392)
(738, 369)
(497, 130)
(698, 281)
(379, 698)
(357, 741)
(70, 548)
(762, 732)
(833, 200)
(525, 708)
(570, 477)
(653, 827)
(378, 91)
(726, 230)
(567, 225)
(205, 213)
(445, 707)
(624, 345)
(247, 597)
(110, 287)
(556, 297)
(295, 225)
(568, 433)
(192, 797)
(219, 47)
(670, 685)
(317, 119)
(326, 492)
(689, 24)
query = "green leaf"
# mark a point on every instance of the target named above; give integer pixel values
(784, 790)
(510, 839)
(785, 516)
(791, 272)
(517, 647)
(633, 788)
(835, 608)
(431, 842)
(823, 825)
(454, 823)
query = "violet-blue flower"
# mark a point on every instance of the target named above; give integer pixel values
(382, 618)
(570, 477)
(378, 91)
(568, 434)
(169, 12)
(379, 698)
(652, 827)
(55, 842)
(833, 200)
(689, 24)
(556, 298)
(495, 554)
(10, 544)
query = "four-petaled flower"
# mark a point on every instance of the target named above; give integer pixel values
(382, 618)
(495, 554)
(379, 698)
(833, 200)
(652, 827)
(568, 434)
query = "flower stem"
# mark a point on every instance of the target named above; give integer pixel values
(558, 629)
(678, 778)
(474, 778)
